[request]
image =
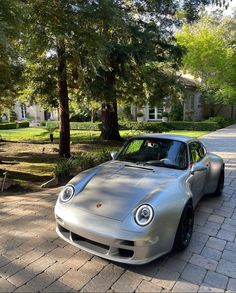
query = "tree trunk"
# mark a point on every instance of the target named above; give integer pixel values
(64, 144)
(93, 115)
(110, 129)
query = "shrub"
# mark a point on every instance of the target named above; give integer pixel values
(51, 128)
(78, 125)
(83, 161)
(165, 114)
(176, 112)
(102, 156)
(157, 127)
(54, 124)
(84, 126)
(154, 127)
(63, 169)
(22, 124)
(140, 114)
(12, 116)
(221, 121)
(195, 126)
(8, 125)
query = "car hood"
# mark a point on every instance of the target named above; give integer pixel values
(115, 188)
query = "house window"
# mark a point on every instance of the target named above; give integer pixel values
(152, 113)
(23, 111)
(155, 113)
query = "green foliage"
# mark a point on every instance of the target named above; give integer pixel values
(12, 116)
(7, 125)
(221, 121)
(210, 55)
(64, 169)
(195, 126)
(176, 112)
(125, 113)
(158, 127)
(77, 125)
(22, 124)
(10, 63)
(140, 114)
(51, 127)
(165, 114)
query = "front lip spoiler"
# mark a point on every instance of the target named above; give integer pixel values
(108, 256)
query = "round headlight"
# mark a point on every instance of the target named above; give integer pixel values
(67, 193)
(144, 215)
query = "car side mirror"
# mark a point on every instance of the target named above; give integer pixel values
(198, 167)
(114, 155)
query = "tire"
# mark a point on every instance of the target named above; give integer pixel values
(220, 184)
(185, 228)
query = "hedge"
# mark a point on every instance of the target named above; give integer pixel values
(22, 124)
(171, 125)
(196, 126)
(146, 126)
(78, 125)
(8, 125)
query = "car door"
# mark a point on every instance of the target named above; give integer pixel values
(199, 165)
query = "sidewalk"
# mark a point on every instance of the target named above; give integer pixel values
(33, 258)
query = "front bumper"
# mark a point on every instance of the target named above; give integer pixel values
(105, 238)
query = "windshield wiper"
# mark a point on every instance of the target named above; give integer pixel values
(138, 167)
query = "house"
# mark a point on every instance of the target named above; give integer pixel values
(34, 113)
(194, 106)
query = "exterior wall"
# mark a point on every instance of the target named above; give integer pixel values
(193, 106)
(34, 113)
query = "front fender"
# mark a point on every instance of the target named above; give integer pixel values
(168, 206)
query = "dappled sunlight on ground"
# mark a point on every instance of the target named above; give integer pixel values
(33, 258)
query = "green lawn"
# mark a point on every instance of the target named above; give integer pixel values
(40, 134)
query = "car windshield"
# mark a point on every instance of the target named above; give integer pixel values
(155, 152)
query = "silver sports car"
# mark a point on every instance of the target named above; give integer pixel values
(140, 205)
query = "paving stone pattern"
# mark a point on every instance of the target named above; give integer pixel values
(34, 259)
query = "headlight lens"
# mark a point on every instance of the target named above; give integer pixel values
(144, 215)
(67, 193)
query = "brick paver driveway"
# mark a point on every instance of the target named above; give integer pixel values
(32, 258)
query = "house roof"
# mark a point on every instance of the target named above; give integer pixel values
(189, 81)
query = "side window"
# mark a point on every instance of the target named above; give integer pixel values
(134, 146)
(202, 151)
(197, 151)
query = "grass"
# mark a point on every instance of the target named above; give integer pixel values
(30, 157)
(41, 135)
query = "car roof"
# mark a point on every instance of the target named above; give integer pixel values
(182, 138)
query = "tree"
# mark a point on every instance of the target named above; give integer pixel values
(211, 56)
(101, 48)
(50, 29)
(140, 55)
(10, 66)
